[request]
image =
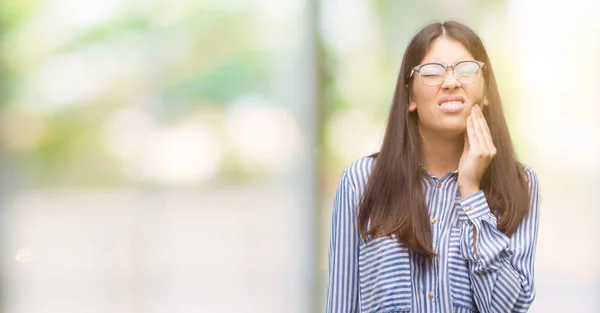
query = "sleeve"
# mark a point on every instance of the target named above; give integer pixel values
(501, 268)
(343, 284)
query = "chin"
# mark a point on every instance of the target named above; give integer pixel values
(447, 127)
(452, 130)
(457, 124)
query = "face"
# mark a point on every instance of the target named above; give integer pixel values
(444, 109)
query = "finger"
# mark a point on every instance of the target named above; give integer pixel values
(466, 145)
(481, 127)
(481, 144)
(486, 131)
(484, 123)
(472, 138)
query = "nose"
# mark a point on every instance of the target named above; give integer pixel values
(450, 81)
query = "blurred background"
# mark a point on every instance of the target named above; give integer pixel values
(182, 156)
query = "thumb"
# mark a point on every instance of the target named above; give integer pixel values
(466, 145)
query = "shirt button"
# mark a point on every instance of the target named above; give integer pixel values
(439, 185)
(433, 221)
(430, 295)
(469, 208)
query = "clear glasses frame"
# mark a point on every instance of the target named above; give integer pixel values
(433, 81)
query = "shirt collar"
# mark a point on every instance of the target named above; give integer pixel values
(428, 174)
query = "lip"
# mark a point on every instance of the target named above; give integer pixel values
(457, 106)
(450, 98)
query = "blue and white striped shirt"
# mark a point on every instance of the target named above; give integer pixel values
(384, 276)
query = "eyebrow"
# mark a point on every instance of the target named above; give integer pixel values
(440, 62)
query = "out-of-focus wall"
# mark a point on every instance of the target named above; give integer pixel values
(557, 55)
(182, 156)
(158, 156)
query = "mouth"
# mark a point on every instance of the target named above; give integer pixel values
(451, 104)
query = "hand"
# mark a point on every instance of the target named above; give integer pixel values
(478, 152)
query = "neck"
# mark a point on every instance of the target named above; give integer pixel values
(440, 155)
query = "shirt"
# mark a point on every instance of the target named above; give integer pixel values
(383, 275)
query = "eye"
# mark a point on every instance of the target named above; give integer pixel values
(467, 68)
(432, 70)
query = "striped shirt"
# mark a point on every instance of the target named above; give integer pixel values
(382, 275)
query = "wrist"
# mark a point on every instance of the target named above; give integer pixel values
(468, 190)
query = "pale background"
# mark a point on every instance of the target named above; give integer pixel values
(182, 156)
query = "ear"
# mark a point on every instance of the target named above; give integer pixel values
(412, 106)
(486, 101)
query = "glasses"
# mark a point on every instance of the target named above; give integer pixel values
(434, 74)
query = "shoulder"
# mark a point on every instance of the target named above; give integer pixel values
(357, 173)
(530, 174)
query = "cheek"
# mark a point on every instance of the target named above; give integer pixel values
(423, 94)
(476, 93)
(481, 89)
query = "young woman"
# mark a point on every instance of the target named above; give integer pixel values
(443, 218)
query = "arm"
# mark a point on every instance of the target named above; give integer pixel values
(342, 289)
(501, 268)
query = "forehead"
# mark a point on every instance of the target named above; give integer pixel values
(446, 51)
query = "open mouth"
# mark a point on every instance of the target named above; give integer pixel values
(451, 104)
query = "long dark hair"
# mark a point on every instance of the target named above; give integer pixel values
(393, 201)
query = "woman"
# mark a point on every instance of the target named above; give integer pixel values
(443, 218)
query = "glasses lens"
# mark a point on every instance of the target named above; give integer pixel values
(467, 72)
(432, 74)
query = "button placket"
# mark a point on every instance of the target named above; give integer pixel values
(437, 235)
